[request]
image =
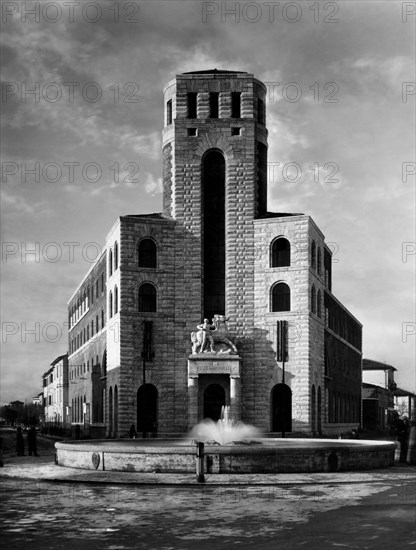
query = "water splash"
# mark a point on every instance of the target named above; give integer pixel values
(225, 431)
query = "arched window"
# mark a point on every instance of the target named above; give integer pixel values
(280, 253)
(313, 255)
(319, 261)
(110, 262)
(313, 299)
(115, 300)
(280, 297)
(115, 255)
(110, 304)
(147, 253)
(147, 297)
(318, 304)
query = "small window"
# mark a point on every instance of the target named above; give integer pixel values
(319, 261)
(280, 253)
(313, 255)
(192, 132)
(260, 111)
(169, 112)
(97, 323)
(115, 300)
(235, 131)
(235, 104)
(313, 299)
(192, 104)
(102, 283)
(318, 304)
(147, 253)
(147, 298)
(102, 318)
(213, 104)
(97, 288)
(115, 256)
(110, 304)
(280, 297)
(110, 262)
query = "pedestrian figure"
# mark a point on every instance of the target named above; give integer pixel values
(20, 442)
(31, 441)
(132, 432)
(403, 431)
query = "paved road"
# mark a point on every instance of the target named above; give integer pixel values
(316, 516)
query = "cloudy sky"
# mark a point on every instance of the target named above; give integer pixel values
(84, 147)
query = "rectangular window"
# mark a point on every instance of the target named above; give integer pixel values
(96, 323)
(260, 111)
(169, 112)
(235, 131)
(102, 283)
(235, 104)
(213, 104)
(192, 104)
(147, 353)
(192, 132)
(96, 288)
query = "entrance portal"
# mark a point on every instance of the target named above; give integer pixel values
(214, 400)
(282, 408)
(147, 408)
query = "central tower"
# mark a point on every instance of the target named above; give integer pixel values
(215, 179)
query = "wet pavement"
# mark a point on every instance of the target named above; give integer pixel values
(46, 506)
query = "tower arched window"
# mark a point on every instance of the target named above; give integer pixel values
(147, 298)
(110, 304)
(115, 300)
(280, 253)
(318, 304)
(313, 255)
(280, 297)
(313, 299)
(115, 256)
(110, 262)
(147, 253)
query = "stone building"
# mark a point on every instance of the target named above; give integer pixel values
(55, 394)
(215, 253)
(378, 394)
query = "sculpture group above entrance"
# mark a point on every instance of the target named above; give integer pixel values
(213, 338)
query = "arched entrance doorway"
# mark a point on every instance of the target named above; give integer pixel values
(319, 410)
(281, 408)
(313, 407)
(147, 396)
(214, 400)
(110, 412)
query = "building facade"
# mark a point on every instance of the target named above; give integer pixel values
(55, 394)
(378, 394)
(277, 347)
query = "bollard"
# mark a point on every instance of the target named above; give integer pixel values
(200, 462)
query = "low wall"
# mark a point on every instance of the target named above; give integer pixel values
(271, 456)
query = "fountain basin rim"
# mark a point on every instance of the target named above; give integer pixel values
(265, 446)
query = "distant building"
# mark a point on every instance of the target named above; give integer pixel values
(55, 393)
(216, 253)
(405, 402)
(38, 399)
(378, 394)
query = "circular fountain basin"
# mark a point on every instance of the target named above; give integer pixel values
(263, 456)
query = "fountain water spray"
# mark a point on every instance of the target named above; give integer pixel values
(225, 431)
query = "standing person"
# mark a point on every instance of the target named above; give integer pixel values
(403, 430)
(20, 442)
(133, 432)
(31, 441)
